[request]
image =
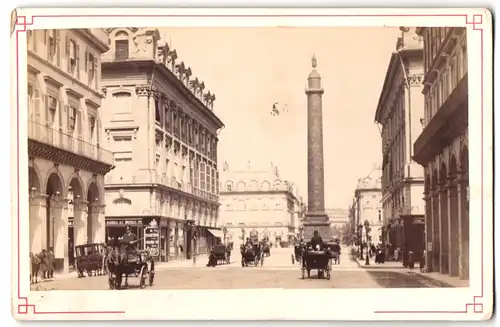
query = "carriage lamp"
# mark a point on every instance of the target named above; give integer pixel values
(57, 196)
(77, 199)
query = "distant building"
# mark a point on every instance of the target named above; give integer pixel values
(162, 129)
(399, 111)
(338, 217)
(442, 149)
(257, 200)
(368, 207)
(67, 161)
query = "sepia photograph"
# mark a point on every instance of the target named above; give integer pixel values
(261, 157)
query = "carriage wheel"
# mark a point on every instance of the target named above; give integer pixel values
(111, 281)
(152, 274)
(143, 276)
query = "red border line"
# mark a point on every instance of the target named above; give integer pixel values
(22, 21)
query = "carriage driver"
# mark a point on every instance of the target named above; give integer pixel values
(316, 241)
(129, 239)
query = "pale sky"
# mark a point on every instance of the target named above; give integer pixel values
(249, 69)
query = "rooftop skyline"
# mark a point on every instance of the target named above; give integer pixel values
(250, 69)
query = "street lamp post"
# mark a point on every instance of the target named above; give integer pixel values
(360, 241)
(243, 235)
(224, 231)
(367, 231)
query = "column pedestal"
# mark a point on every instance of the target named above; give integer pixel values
(80, 216)
(98, 225)
(37, 223)
(60, 234)
(317, 221)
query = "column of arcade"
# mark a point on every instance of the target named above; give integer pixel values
(447, 227)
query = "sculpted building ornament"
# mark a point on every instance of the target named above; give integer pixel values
(415, 79)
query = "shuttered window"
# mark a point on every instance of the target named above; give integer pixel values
(121, 49)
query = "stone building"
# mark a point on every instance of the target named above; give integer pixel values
(259, 201)
(162, 129)
(367, 206)
(399, 111)
(442, 149)
(338, 218)
(67, 163)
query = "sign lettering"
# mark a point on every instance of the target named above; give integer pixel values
(124, 222)
(152, 238)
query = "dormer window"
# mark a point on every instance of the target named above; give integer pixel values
(121, 50)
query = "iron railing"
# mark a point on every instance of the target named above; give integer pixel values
(56, 138)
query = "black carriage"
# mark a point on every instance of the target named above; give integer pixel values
(89, 259)
(334, 250)
(316, 259)
(222, 253)
(125, 262)
(250, 255)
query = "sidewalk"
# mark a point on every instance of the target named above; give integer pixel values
(440, 279)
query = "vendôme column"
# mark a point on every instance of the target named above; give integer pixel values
(316, 217)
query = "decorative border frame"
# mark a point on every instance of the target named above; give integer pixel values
(475, 20)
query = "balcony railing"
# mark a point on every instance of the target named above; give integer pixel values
(144, 176)
(56, 138)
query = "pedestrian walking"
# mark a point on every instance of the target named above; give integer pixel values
(50, 262)
(411, 259)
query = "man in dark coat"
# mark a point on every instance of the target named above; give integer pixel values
(129, 240)
(316, 241)
(50, 263)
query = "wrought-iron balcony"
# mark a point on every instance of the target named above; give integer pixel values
(53, 137)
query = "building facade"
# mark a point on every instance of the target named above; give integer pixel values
(367, 206)
(399, 111)
(257, 201)
(442, 149)
(67, 162)
(338, 218)
(162, 130)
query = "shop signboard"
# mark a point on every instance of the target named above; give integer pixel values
(112, 222)
(152, 238)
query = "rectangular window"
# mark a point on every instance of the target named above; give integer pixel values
(122, 160)
(52, 45)
(91, 69)
(92, 123)
(72, 119)
(121, 50)
(214, 185)
(30, 95)
(202, 176)
(208, 173)
(72, 56)
(157, 111)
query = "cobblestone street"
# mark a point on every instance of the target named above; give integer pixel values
(277, 272)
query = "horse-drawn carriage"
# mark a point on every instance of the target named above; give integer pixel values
(123, 260)
(222, 253)
(89, 258)
(316, 259)
(251, 255)
(334, 250)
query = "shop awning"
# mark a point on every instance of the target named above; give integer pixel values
(216, 233)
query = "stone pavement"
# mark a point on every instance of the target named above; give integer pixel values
(277, 272)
